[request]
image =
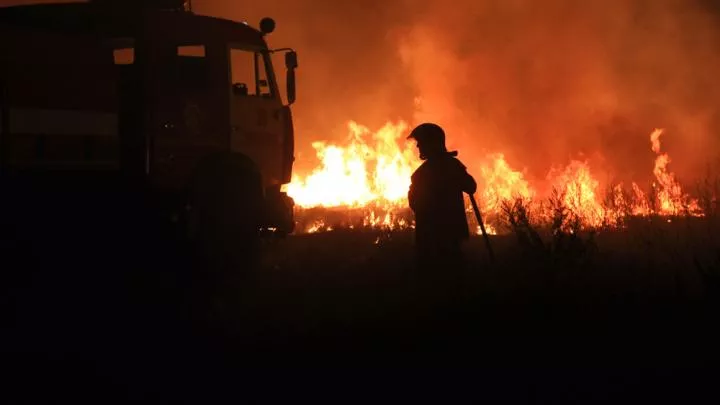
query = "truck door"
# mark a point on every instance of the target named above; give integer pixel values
(188, 121)
(258, 120)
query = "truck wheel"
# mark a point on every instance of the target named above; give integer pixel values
(225, 208)
(279, 211)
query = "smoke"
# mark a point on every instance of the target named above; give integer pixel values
(542, 81)
(559, 79)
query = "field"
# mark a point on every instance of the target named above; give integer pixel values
(622, 282)
(118, 295)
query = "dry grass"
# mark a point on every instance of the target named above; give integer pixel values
(544, 248)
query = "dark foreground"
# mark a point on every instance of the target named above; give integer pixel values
(105, 304)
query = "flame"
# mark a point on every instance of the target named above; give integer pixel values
(373, 171)
(489, 229)
(578, 191)
(315, 226)
(365, 184)
(640, 206)
(502, 183)
(671, 199)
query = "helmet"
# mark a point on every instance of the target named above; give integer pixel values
(428, 133)
(430, 139)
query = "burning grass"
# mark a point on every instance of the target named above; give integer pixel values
(551, 272)
(576, 238)
(551, 252)
(364, 185)
(372, 217)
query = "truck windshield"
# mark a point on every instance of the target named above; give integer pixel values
(249, 73)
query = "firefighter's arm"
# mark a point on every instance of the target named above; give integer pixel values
(463, 179)
(468, 183)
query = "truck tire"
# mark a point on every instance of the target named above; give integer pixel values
(224, 211)
(279, 211)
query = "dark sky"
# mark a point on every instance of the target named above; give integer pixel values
(542, 81)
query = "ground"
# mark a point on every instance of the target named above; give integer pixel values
(113, 302)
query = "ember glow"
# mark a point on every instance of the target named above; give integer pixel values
(364, 184)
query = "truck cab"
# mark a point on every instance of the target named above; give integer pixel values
(175, 103)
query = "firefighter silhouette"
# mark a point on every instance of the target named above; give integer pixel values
(436, 198)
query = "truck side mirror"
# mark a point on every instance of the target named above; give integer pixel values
(291, 64)
(291, 61)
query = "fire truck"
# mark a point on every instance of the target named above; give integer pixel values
(183, 108)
